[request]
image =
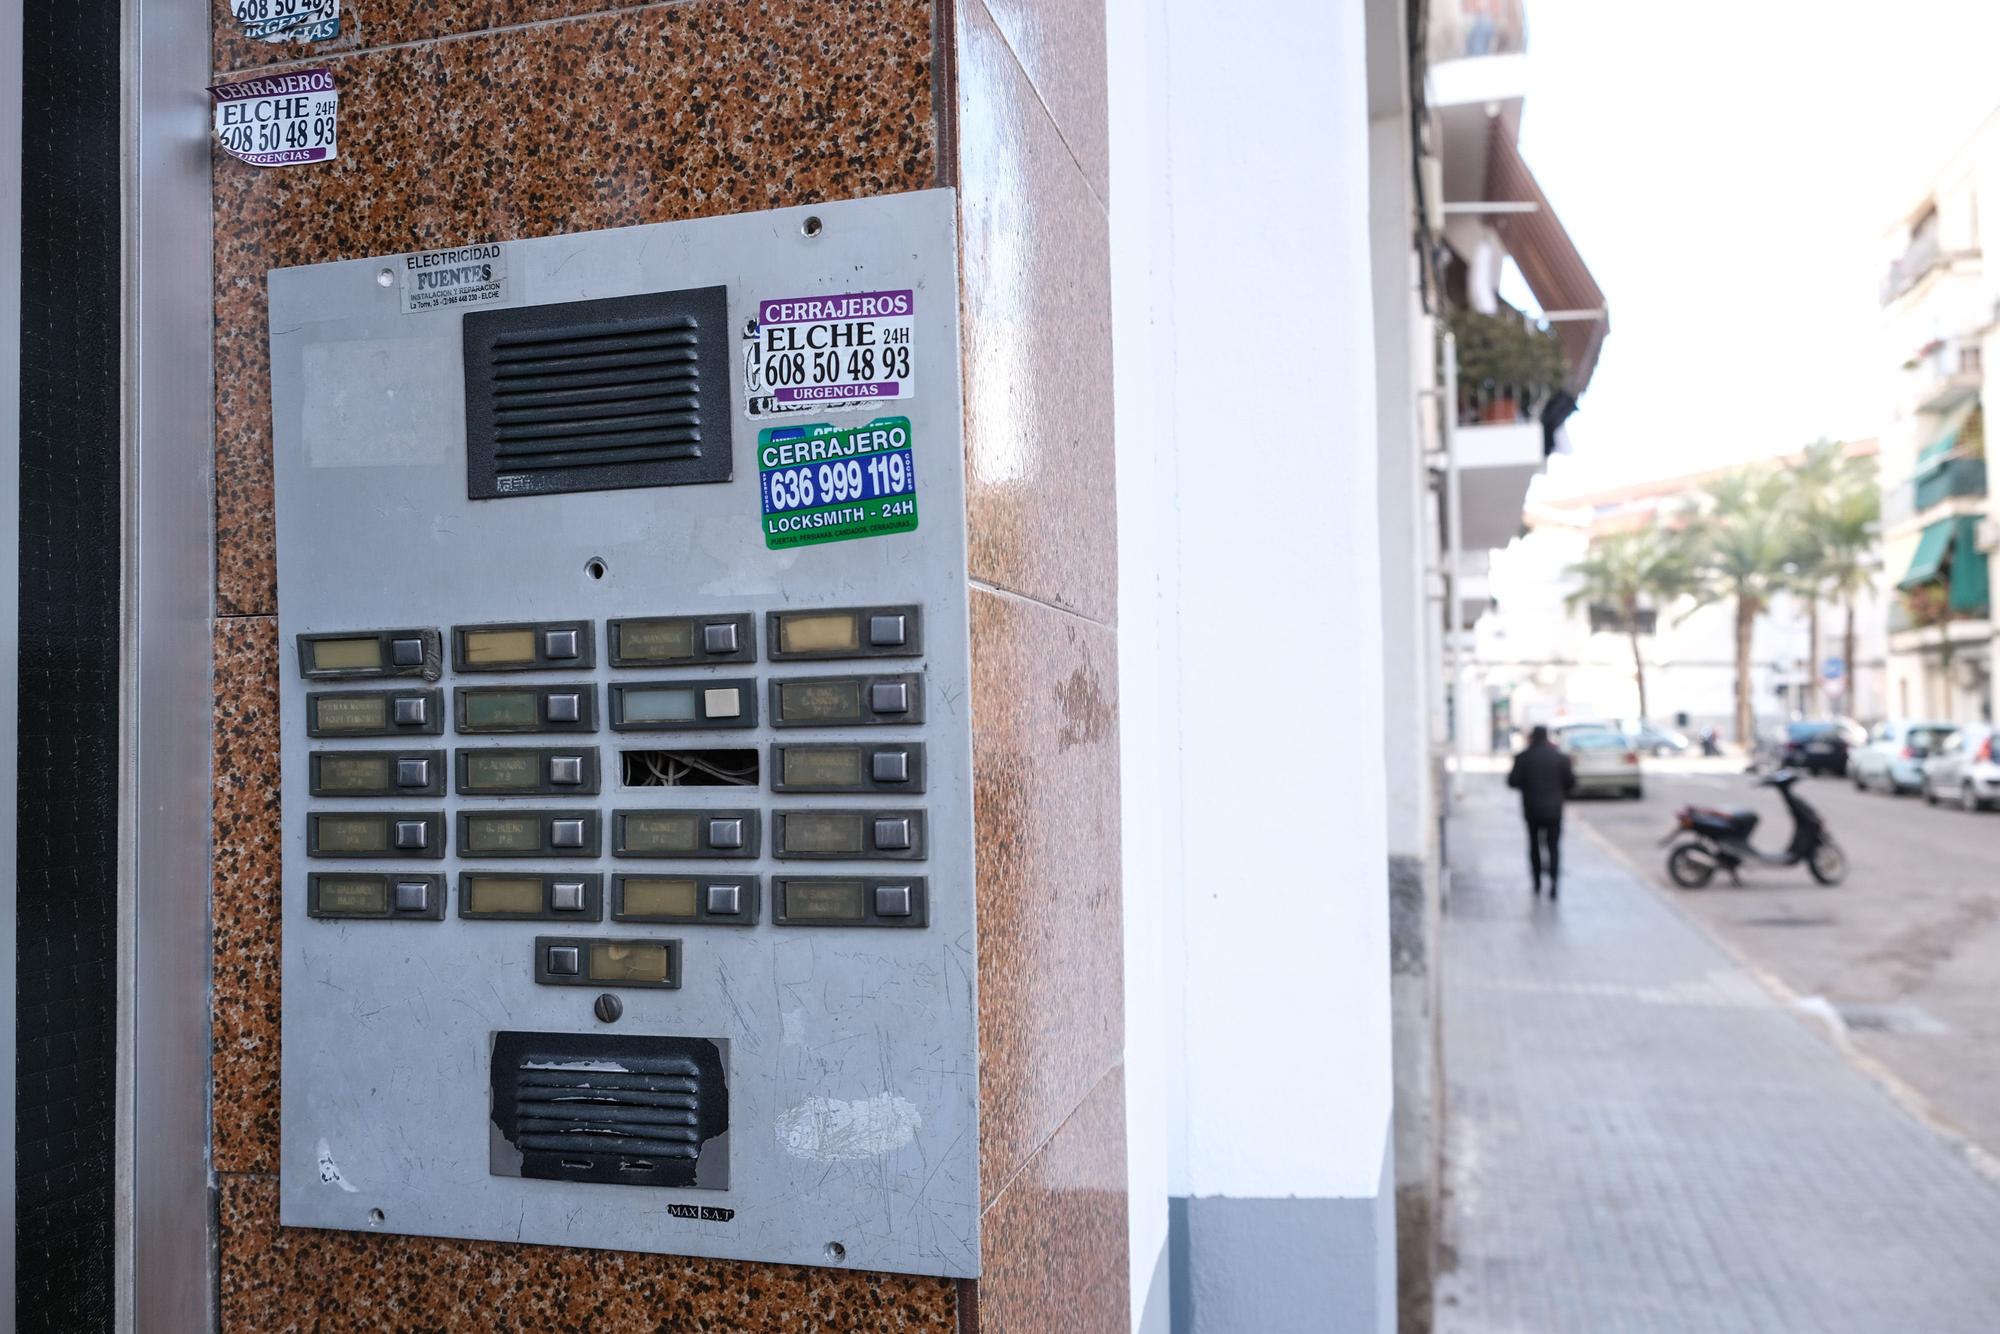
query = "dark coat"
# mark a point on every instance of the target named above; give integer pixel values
(1543, 776)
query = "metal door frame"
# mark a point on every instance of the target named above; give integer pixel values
(11, 19)
(166, 1272)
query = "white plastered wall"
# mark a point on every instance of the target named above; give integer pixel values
(1256, 931)
(1278, 1061)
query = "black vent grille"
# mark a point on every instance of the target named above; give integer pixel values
(637, 1111)
(597, 395)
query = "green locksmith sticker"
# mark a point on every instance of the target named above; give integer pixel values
(826, 483)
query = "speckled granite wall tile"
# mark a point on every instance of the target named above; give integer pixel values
(245, 895)
(1060, 43)
(388, 191)
(674, 111)
(719, 108)
(245, 212)
(233, 53)
(1037, 321)
(889, 1303)
(276, 1280)
(1045, 803)
(371, 24)
(1055, 1241)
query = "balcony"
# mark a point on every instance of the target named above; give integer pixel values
(1470, 29)
(1918, 258)
(1947, 584)
(1478, 71)
(1948, 481)
(1474, 586)
(1947, 374)
(1496, 460)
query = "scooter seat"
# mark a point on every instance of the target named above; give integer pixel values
(1726, 824)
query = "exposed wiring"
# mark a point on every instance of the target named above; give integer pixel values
(671, 768)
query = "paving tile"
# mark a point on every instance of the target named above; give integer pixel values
(1642, 1138)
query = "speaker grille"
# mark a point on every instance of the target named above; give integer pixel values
(634, 1111)
(597, 395)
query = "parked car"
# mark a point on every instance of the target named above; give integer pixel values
(1561, 732)
(1821, 746)
(1767, 747)
(1963, 769)
(1654, 739)
(1893, 759)
(1605, 761)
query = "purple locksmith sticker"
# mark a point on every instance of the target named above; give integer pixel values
(279, 120)
(829, 353)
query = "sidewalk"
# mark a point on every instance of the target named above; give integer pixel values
(1640, 1138)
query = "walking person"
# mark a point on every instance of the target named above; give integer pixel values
(1543, 776)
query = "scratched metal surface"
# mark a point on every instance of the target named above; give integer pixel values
(853, 1066)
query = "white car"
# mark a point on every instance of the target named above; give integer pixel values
(1893, 759)
(1962, 769)
(1604, 760)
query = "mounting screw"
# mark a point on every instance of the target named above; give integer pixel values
(609, 1008)
(811, 227)
(835, 1252)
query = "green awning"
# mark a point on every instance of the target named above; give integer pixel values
(1970, 591)
(1932, 548)
(1955, 541)
(1938, 450)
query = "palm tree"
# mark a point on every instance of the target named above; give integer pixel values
(1628, 572)
(1848, 559)
(1831, 490)
(1742, 536)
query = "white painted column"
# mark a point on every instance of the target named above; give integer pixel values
(1403, 331)
(1278, 973)
(1142, 323)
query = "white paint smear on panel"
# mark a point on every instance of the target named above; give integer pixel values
(834, 1130)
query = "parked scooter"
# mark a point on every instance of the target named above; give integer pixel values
(1713, 840)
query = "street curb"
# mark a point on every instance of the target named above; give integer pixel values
(1822, 1017)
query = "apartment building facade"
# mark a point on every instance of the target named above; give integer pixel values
(1941, 352)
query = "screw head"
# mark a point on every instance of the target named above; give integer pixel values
(609, 1008)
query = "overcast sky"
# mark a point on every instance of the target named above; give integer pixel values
(1727, 168)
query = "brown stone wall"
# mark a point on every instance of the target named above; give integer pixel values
(491, 120)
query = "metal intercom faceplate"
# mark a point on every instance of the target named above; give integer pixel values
(628, 863)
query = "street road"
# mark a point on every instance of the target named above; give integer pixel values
(1907, 950)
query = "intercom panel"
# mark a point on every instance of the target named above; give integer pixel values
(628, 861)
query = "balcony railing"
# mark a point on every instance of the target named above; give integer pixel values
(1923, 253)
(1486, 404)
(1947, 372)
(1953, 478)
(1464, 29)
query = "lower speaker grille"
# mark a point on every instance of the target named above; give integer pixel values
(631, 1111)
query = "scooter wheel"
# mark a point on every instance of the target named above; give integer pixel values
(1828, 864)
(1690, 867)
